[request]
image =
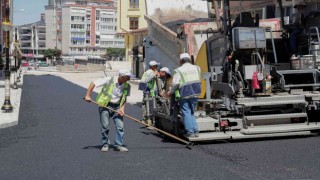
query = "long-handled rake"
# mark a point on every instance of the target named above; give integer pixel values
(189, 144)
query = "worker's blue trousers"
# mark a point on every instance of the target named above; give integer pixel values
(105, 116)
(187, 107)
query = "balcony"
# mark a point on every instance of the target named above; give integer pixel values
(78, 30)
(77, 38)
(42, 44)
(25, 46)
(25, 33)
(25, 40)
(41, 47)
(77, 45)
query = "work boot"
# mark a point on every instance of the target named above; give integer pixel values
(121, 149)
(189, 135)
(196, 134)
(149, 122)
(105, 148)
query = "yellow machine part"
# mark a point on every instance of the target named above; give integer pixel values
(202, 62)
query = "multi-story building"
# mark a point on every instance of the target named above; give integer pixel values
(32, 39)
(82, 27)
(131, 23)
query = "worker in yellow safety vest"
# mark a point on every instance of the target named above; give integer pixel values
(148, 85)
(186, 87)
(164, 81)
(113, 94)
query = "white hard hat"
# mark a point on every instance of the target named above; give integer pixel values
(153, 63)
(125, 72)
(165, 69)
(184, 55)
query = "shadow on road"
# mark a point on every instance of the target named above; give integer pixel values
(92, 147)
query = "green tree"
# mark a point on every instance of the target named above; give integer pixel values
(48, 53)
(52, 54)
(57, 53)
(115, 52)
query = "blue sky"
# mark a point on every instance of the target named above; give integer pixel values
(31, 13)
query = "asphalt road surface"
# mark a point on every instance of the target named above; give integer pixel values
(58, 137)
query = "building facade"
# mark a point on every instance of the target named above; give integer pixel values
(32, 39)
(82, 28)
(131, 23)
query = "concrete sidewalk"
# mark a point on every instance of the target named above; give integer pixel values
(8, 119)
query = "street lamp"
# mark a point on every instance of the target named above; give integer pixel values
(7, 26)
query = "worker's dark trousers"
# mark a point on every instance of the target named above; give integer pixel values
(293, 40)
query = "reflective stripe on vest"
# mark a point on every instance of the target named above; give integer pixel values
(150, 86)
(189, 84)
(105, 94)
(125, 93)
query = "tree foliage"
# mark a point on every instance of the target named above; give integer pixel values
(115, 52)
(52, 53)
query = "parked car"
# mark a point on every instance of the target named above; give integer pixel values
(43, 64)
(24, 64)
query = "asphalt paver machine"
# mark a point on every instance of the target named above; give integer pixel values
(250, 88)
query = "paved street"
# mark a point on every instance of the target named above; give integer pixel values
(58, 137)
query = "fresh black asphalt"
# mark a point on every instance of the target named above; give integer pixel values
(58, 137)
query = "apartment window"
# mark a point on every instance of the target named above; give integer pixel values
(77, 34)
(97, 26)
(81, 2)
(97, 12)
(134, 22)
(107, 20)
(77, 26)
(134, 4)
(107, 43)
(74, 42)
(119, 43)
(88, 17)
(105, 27)
(77, 18)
